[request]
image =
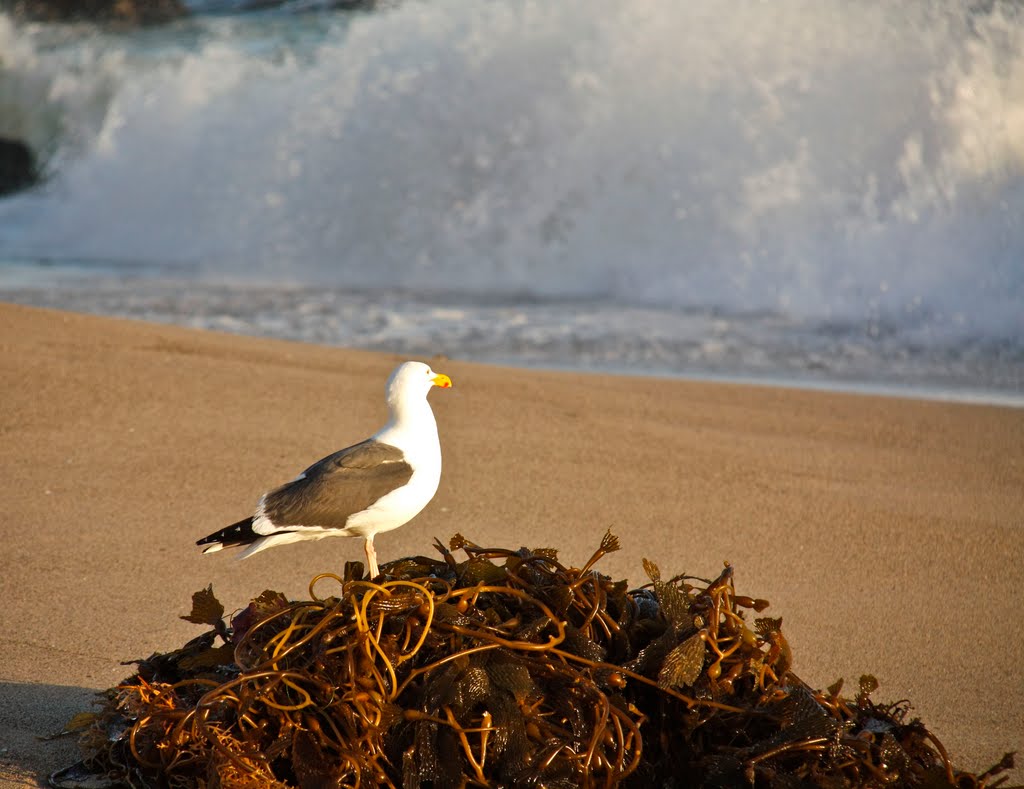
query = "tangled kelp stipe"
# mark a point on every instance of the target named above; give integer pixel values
(504, 669)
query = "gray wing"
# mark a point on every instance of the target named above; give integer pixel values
(338, 486)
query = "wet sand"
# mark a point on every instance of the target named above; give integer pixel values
(887, 533)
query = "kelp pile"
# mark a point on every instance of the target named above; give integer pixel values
(504, 669)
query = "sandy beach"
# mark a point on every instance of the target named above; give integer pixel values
(887, 533)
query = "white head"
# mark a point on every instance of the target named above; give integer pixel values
(411, 381)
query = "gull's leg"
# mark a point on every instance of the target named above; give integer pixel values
(371, 557)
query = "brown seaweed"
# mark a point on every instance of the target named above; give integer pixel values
(504, 669)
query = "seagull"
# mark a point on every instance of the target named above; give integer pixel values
(376, 485)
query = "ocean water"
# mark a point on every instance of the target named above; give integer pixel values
(808, 191)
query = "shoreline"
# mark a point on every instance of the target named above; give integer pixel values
(936, 393)
(882, 530)
(935, 390)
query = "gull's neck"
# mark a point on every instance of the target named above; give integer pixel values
(411, 420)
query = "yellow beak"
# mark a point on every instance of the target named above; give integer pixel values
(442, 380)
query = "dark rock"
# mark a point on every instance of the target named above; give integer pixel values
(242, 6)
(17, 166)
(132, 12)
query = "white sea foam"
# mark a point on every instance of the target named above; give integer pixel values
(808, 158)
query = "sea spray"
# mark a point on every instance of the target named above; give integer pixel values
(824, 163)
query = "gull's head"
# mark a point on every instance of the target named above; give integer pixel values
(414, 379)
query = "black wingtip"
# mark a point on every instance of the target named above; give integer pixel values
(236, 534)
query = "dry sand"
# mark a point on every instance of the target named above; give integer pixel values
(888, 533)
